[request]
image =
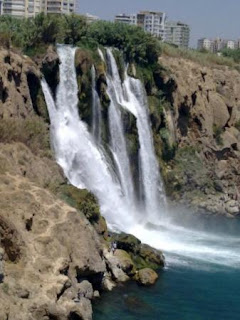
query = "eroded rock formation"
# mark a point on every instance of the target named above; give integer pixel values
(204, 123)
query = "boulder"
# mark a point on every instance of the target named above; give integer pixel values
(142, 255)
(146, 277)
(125, 262)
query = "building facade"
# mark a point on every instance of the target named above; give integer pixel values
(216, 45)
(205, 44)
(30, 8)
(231, 44)
(126, 18)
(151, 21)
(177, 33)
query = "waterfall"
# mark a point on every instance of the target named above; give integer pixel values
(132, 97)
(83, 162)
(96, 109)
(82, 156)
(86, 165)
(118, 143)
(152, 185)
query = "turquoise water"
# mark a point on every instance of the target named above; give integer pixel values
(180, 294)
(198, 288)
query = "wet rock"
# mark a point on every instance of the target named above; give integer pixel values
(125, 262)
(233, 207)
(146, 277)
(116, 265)
(142, 255)
(127, 242)
(85, 289)
(96, 294)
(151, 255)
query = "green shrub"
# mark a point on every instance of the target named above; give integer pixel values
(32, 33)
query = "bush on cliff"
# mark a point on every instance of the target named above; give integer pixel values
(33, 33)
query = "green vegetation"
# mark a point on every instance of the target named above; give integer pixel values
(204, 58)
(233, 54)
(32, 35)
(86, 203)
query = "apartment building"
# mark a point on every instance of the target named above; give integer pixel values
(151, 21)
(216, 45)
(30, 8)
(231, 44)
(177, 33)
(126, 18)
(205, 44)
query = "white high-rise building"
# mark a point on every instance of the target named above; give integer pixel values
(30, 8)
(151, 21)
(177, 33)
(205, 44)
(231, 44)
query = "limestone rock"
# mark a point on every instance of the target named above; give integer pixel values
(116, 265)
(49, 248)
(147, 277)
(141, 254)
(125, 262)
(206, 113)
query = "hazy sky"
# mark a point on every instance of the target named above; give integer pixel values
(207, 18)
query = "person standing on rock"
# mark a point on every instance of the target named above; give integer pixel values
(113, 247)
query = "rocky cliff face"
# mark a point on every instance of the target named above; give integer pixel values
(54, 257)
(204, 125)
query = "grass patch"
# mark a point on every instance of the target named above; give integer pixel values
(203, 58)
(33, 132)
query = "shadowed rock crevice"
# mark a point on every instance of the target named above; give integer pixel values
(10, 241)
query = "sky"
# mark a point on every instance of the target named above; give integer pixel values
(207, 18)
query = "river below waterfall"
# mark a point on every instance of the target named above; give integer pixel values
(195, 285)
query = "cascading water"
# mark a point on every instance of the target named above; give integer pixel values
(96, 109)
(86, 166)
(118, 143)
(76, 152)
(132, 97)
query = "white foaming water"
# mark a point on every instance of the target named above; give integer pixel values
(192, 248)
(96, 109)
(131, 96)
(85, 165)
(118, 143)
(76, 152)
